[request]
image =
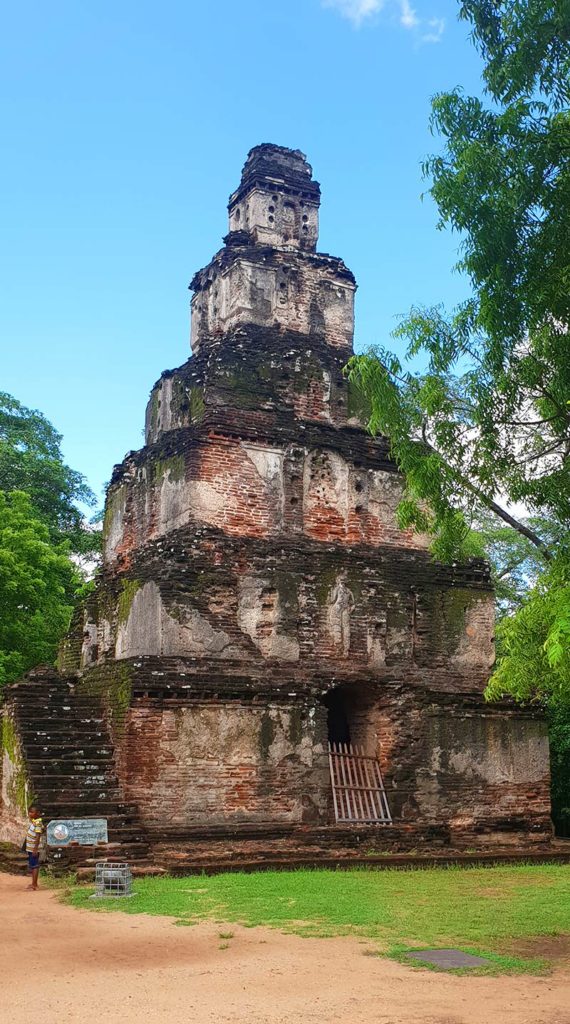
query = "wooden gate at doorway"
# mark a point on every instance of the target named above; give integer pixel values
(357, 786)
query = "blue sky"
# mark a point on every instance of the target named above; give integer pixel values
(125, 127)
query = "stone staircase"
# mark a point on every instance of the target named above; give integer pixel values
(69, 756)
(12, 860)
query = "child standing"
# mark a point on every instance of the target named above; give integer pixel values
(33, 836)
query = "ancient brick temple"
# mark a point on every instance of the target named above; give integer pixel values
(257, 601)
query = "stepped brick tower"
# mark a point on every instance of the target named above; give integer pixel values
(258, 602)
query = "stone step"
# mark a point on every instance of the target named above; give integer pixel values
(142, 870)
(58, 740)
(63, 789)
(72, 809)
(60, 701)
(77, 806)
(80, 809)
(60, 705)
(59, 730)
(12, 859)
(187, 865)
(41, 751)
(101, 776)
(27, 691)
(128, 834)
(65, 712)
(70, 759)
(70, 764)
(112, 850)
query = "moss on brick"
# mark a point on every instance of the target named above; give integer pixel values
(266, 735)
(126, 598)
(310, 370)
(120, 696)
(455, 603)
(295, 727)
(69, 652)
(112, 507)
(287, 587)
(174, 466)
(113, 684)
(16, 783)
(106, 600)
(327, 579)
(197, 405)
(245, 386)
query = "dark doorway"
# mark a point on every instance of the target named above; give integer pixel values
(337, 720)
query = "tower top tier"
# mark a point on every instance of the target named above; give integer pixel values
(277, 201)
(268, 273)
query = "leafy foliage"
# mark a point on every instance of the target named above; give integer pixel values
(533, 647)
(525, 46)
(558, 716)
(31, 461)
(427, 417)
(484, 425)
(516, 563)
(489, 415)
(43, 537)
(36, 579)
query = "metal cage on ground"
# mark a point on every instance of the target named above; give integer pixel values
(113, 879)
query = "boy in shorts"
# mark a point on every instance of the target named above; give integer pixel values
(33, 836)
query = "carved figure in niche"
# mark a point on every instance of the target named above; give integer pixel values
(340, 606)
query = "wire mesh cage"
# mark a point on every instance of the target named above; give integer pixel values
(112, 879)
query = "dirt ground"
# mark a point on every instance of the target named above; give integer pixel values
(64, 965)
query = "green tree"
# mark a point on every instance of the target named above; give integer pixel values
(516, 563)
(559, 733)
(31, 461)
(486, 422)
(489, 416)
(533, 652)
(36, 578)
(484, 425)
(533, 645)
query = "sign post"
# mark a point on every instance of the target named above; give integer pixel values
(77, 831)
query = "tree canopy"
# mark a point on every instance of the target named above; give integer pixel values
(36, 579)
(31, 461)
(43, 534)
(483, 428)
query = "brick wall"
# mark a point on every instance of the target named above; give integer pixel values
(224, 762)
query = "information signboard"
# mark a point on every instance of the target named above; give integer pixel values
(83, 831)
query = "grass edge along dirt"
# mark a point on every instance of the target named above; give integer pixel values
(478, 910)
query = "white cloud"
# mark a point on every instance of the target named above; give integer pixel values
(355, 10)
(435, 28)
(424, 30)
(408, 16)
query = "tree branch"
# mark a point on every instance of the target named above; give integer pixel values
(502, 513)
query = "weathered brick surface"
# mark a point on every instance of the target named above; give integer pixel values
(257, 594)
(225, 761)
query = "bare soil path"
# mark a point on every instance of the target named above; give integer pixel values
(58, 964)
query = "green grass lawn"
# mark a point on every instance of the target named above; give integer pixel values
(481, 910)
